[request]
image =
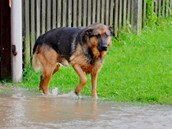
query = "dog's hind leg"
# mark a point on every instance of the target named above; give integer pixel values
(48, 60)
(45, 78)
(82, 77)
(41, 83)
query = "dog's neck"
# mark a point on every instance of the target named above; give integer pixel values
(92, 59)
(90, 56)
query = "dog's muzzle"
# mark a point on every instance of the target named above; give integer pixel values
(102, 48)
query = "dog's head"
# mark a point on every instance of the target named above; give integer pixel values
(98, 38)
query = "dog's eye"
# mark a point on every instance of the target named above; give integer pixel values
(97, 35)
(92, 36)
(106, 35)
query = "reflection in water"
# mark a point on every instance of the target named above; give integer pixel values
(22, 109)
(48, 109)
(17, 111)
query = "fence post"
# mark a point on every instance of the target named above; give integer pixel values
(16, 39)
(27, 34)
(137, 15)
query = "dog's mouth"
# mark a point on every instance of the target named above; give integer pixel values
(103, 48)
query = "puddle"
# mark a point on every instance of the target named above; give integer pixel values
(20, 108)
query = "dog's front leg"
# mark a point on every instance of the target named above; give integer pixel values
(82, 76)
(94, 76)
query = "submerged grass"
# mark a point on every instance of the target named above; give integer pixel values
(138, 68)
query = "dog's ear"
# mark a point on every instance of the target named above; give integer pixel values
(111, 30)
(88, 32)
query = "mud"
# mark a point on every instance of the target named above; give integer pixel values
(22, 109)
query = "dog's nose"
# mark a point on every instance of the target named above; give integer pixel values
(104, 48)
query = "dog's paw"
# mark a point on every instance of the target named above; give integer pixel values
(95, 97)
(55, 91)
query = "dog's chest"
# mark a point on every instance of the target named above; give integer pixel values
(85, 63)
(89, 68)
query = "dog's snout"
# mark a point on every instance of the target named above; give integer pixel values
(104, 47)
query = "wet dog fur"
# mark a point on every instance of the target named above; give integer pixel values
(83, 48)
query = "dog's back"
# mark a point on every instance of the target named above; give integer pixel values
(61, 40)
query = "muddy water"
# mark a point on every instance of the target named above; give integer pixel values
(22, 109)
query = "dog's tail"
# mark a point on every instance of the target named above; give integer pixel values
(36, 64)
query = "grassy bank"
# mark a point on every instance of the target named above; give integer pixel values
(138, 68)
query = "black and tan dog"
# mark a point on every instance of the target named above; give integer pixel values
(83, 48)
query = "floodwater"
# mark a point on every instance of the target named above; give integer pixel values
(22, 109)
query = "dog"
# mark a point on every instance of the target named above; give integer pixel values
(83, 48)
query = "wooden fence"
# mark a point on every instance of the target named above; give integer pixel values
(40, 16)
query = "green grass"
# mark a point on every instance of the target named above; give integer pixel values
(138, 68)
